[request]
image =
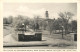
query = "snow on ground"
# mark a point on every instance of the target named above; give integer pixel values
(56, 43)
(52, 41)
(8, 39)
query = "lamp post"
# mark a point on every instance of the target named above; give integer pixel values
(62, 31)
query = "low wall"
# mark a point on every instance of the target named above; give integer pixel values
(36, 37)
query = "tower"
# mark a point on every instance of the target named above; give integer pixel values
(47, 15)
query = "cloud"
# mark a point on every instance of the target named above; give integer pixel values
(24, 10)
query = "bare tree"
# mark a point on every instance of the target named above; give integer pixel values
(10, 19)
(4, 20)
(66, 16)
(74, 25)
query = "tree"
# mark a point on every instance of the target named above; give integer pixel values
(10, 19)
(51, 25)
(74, 25)
(36, 23)
(4, 20)
(18, 21)
(60, 24)
(42, 24)
(66, 16)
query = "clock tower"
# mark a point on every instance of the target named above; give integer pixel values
(47, 15)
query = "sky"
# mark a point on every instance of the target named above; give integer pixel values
(38, 9)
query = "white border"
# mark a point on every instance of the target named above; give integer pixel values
(40, 1)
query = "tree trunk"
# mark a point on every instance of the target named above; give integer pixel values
(59, 30)
(55, 31)
(62, 33)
